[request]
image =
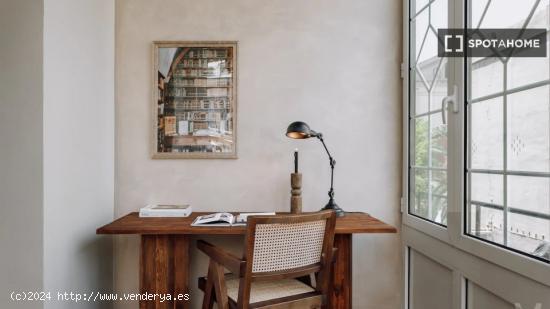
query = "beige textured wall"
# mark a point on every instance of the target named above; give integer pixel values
(333, 64)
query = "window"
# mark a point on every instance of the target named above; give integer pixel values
(508, 136)
(491, 164)
(428, 133)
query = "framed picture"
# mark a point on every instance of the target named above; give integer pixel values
(195, 100)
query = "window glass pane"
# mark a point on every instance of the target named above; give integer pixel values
(439, 196)
(421, 95)
(419, 194)
(487, 134)
(541, 16)
(439, 14)
(523, 71)
(477, 8)
(430, 194)
(487, 77)
(531, 194)
(507, 13)
(438, 145)
(419, 4)
(508, 137)
(528, 234)
(428, 86)
(529, 130)
(487, 188)
(529, 214)
(420, 25)
(439, 88)
(486, 223)
(428, 52)
(421, 141)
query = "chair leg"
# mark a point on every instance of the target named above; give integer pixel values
(218, 277)
(208, 300)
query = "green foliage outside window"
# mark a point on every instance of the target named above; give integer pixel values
(422, 176)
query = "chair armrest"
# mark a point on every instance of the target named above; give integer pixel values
(334, 251)
(228, 260)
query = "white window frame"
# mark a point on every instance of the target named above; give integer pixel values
(436, 230)
(454, 234)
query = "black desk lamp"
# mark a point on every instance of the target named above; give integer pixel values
(300, 130)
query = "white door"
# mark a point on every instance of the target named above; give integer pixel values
(476, 204)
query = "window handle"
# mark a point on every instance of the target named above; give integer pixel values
(450, 99)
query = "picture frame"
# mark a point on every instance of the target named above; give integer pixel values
(194, 100)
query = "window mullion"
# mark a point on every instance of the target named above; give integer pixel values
(455, 165)
(505, 154)
(468, 114)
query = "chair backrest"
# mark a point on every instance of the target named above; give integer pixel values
(287, 243)
(287, 246)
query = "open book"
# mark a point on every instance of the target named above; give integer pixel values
(226, 219)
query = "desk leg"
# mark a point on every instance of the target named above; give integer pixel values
(340, 296)
(164, 269)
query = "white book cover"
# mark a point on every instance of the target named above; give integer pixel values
(165, 211)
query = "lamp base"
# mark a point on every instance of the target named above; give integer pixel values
(331, 205)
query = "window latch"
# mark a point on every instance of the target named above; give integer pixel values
(451, 99)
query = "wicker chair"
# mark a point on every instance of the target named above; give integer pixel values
(278, 250)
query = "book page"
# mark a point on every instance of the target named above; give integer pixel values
(215, 218)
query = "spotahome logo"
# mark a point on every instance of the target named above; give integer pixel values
(502, 43)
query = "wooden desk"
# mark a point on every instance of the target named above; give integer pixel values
(164, 254)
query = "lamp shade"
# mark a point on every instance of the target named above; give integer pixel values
(299, 130)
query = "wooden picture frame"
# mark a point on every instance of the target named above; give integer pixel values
(194, 101)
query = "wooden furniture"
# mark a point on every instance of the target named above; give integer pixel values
(164, 254)
(278, 250)
(296, 193)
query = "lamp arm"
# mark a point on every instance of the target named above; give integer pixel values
(332, 163)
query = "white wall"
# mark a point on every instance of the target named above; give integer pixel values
(333, 64)
(78, 146)
(20, 149)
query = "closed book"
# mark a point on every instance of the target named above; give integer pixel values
(165, 211)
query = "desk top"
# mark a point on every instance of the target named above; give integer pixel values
(352, 222)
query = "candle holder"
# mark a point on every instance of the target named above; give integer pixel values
(296, 193)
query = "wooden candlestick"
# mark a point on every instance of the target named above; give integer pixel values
(296, 193)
